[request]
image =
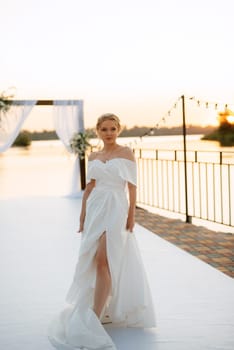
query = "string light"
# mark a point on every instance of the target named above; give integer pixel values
(209, 104)
(163, 119)
(199, 103)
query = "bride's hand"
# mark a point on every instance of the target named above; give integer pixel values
(82, 219)
(81, 228)
(130, 224)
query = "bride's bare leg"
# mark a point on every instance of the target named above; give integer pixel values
(103, 279)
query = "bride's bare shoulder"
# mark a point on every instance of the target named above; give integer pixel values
(93, 155)
(127, 153)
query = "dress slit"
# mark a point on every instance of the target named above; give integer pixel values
(103, 314)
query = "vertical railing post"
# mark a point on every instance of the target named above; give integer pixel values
(220, 158)
(188, 218)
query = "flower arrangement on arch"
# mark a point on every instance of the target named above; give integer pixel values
(79, 143)
(5, 104)
(5, 101)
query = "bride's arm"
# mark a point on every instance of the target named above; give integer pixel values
(128, 154)
(88, 190)
(132, 206)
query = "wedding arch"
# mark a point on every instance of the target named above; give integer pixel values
(68, 119)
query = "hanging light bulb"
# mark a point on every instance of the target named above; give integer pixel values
(207, 104)
(216, 106)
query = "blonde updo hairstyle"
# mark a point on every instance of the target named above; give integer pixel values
(108, 116)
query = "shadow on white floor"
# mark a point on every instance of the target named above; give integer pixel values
(38, 251)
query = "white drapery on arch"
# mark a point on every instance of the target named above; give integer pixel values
(68, 119)
(12, 121)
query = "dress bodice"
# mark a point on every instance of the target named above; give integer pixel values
(112, 174)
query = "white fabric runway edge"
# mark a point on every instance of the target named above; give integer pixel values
(38, 252)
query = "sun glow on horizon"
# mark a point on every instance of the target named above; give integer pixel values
(230, 119)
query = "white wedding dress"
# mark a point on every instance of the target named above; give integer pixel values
(129, 303)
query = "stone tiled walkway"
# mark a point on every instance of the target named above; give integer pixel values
(215, 248)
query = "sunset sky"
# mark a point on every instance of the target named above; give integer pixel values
(130, 57)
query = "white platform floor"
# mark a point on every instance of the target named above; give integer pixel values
(38, 252)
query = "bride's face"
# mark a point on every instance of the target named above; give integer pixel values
(108, 131)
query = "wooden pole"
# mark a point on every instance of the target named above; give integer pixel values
(44, 103)
(38, 103)
(82, 174)
(188, 218)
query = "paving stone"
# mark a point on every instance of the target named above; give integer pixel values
(215, 248)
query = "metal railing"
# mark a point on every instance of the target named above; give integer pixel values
(209, 188)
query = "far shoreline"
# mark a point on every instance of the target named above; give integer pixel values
(136, 131)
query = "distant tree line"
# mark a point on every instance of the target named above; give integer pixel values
(25, 137)
(163, 131)
(43, 135)
(137, 131)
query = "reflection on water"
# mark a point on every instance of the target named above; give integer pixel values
(45, 168)
(175, 142)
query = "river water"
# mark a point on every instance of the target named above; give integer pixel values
(45, 168)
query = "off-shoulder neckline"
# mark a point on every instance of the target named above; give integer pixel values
(107, 161)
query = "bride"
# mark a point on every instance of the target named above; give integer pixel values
(110, 284)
